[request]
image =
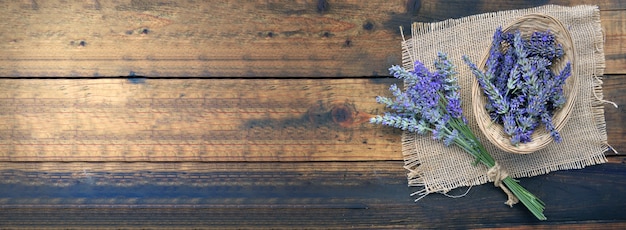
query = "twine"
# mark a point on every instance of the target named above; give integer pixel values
(497, 174)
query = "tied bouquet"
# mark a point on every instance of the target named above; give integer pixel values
(431, 104)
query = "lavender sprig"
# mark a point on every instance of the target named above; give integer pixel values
(431, 103)
(496, 98)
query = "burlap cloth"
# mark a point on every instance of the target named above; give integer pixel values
(436, 168)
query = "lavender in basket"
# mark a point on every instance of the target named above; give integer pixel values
(431, 104)
(522, 91)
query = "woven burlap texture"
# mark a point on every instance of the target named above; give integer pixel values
(438, 169)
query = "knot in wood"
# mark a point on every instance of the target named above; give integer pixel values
(342, 115)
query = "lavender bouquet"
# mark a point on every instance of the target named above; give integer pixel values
(431, 104)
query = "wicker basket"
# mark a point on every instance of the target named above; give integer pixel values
(541, 137)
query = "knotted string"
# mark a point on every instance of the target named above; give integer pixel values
(497, 174)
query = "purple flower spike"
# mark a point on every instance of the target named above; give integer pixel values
(431, 100)
(449, 139)
(494, 95)
(546, 119)
(509, 124)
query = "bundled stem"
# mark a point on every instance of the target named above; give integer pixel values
(532, 203)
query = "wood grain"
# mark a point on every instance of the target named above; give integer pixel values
(193, 120)
(287, 195)
(614, 90)
(615, 34)
(233, 38)
(210, 120)
(268, 148)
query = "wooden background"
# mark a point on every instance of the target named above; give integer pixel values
(134, 113)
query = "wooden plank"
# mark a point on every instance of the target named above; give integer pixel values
(193, 120)
(287, 195)
(614, 27)
(210, 120)
(614, 90)
(233, 38)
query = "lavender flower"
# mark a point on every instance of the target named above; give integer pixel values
(420, 109)
(521, 89)
(507, 68)
(544, 44)
(509, 123)
(546, 119)
(518, 45)
(526, 122)
(451, 137)
(447, 71)
(454, 104)
(495, 97)
(495, 56)
(556, 97)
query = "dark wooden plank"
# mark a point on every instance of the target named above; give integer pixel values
(234, 38)
(614, 90)
(288, 195)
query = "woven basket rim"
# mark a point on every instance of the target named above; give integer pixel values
(540, 137)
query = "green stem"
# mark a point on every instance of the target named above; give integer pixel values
(470, 143)
(532, 203)
(476, 149)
